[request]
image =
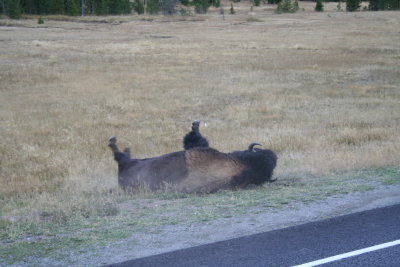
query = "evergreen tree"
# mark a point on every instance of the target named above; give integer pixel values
(72, 7)
(138, 6)
(118, 7)
(185, 2)
(13, 9)
(57, 7)
(376, 5)
(373, 5)
(101, 7)
(126, 7)
(393, 4)
(29, 6)
(168, 7)
(353, 5)
(153, 7)
(319, 7)
(201, 6)
(287, 6)
(43, 6)
(89, 6)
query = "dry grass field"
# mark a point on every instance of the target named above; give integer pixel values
(320, 89)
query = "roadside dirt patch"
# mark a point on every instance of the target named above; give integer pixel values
(174, 237)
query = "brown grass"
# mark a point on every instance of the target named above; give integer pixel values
(321, 89)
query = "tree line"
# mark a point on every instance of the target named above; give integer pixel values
(15, 8)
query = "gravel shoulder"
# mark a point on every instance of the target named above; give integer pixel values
(169, 238)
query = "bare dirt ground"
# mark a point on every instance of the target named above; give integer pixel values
(174, 237)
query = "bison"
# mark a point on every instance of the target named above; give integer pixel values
(197, 169)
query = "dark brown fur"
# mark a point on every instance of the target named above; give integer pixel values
(195, 170)
(194, 138)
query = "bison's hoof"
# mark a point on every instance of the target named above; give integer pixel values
(112, 140)
(195, 125)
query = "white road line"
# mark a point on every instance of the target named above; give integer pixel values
(350, 254)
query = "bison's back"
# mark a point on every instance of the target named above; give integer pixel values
(208, 170)
(156, 173)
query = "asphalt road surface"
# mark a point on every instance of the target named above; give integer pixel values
(373, 234)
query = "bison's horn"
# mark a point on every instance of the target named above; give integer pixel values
(251, 146)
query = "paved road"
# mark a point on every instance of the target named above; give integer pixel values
(298, 245)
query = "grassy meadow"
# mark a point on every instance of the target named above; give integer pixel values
(320, 89)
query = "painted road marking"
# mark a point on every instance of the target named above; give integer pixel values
(350, 254)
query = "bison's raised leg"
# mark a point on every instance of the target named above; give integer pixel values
(196, 126)
(194, 138)
(119, 156)
(112, 143)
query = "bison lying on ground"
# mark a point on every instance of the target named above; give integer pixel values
(197, 169)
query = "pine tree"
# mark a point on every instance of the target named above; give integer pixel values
(89, 6)
(185, 2)
(126, 7)
(57, 7)
(201, 6)
(373, 5)
(168, 7)
(138, 6)
(101, 7)
(287, 6)
(13, 9)
(118, 7)
(72, 7)
(153, 7)
(319, 7)
(353, 5)
(393, 4)
(43, 6)
(29, 6)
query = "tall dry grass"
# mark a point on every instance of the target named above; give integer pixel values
(322, 91)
